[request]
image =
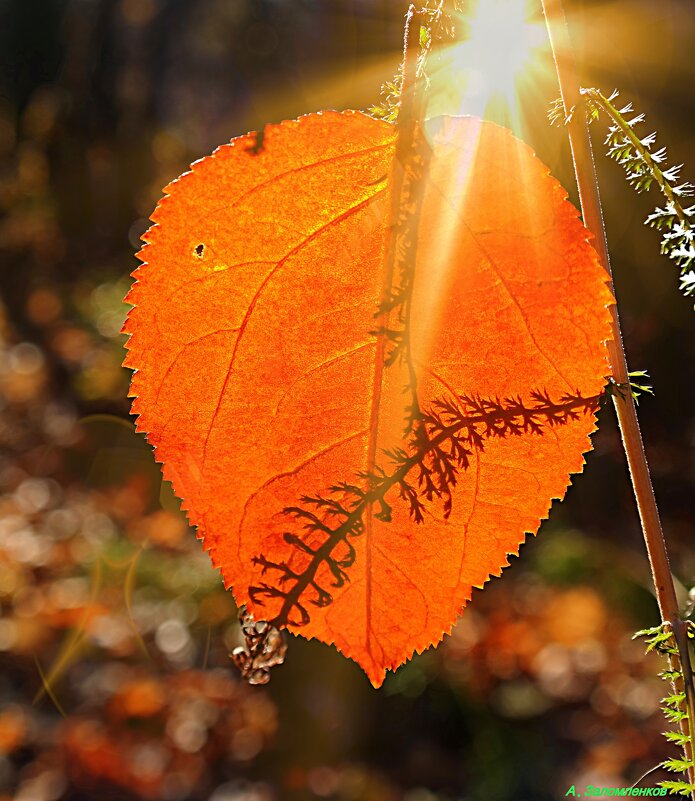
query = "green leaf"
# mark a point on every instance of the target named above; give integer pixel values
(647, 632)
(676, 737)
(678, 765)
(674, 700)
(676, 787)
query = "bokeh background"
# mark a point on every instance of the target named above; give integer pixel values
(115, 681)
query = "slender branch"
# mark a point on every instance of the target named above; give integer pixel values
(437, 25)
(407, 180)
(626, 129)
(644, 167)
(587, 183)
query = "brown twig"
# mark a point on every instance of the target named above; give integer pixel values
(625, 407)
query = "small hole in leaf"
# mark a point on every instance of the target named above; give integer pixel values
(199, 250)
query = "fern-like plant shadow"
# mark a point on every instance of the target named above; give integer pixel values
(437, 449)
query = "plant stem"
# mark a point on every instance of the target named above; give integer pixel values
(626, 411)
(608, 108)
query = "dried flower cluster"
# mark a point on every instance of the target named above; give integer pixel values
(265, 648)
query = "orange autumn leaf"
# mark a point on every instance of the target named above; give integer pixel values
(277, 399)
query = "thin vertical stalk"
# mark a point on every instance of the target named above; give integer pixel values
(624, 402)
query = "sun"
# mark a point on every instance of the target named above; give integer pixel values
(499, 52)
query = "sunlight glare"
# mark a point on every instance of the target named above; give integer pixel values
(500, 49)
(495, 73)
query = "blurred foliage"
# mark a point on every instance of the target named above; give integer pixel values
(115, 680)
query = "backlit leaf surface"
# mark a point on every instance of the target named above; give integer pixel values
(259, 380)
